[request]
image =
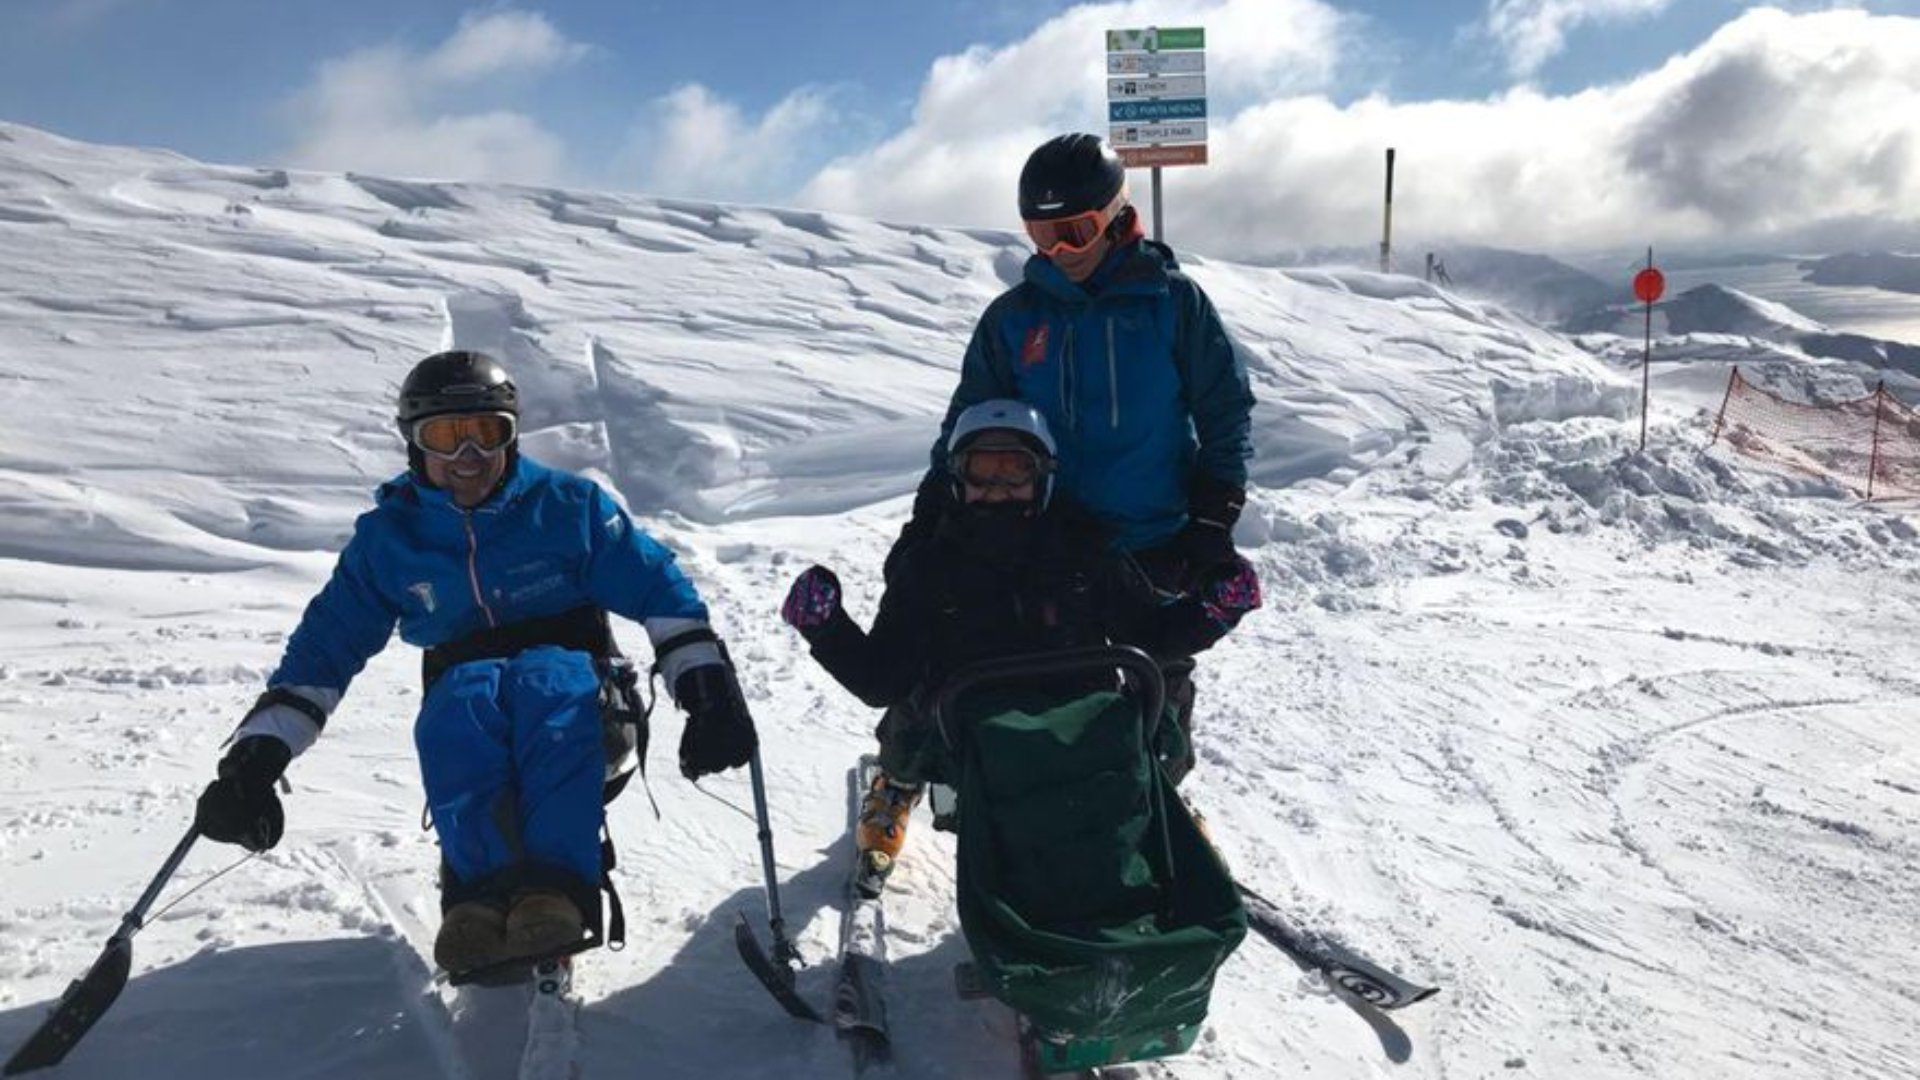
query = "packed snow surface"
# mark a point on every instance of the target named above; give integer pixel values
(1618, 747)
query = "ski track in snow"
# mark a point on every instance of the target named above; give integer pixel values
(1617, 748)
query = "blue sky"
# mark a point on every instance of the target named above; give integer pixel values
(213, 78)
(818, 103)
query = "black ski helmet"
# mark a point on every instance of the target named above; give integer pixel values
(456, 381)
(1067, 175)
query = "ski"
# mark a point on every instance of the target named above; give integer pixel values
(859, 1001)
(1352, 976)
(552, 1038)
(531, 1018)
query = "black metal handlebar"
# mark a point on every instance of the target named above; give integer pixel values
(1136, 667)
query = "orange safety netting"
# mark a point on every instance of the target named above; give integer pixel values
(1870, 444)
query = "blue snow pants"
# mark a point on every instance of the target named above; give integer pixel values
(512, 759)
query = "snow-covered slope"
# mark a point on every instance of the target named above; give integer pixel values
(1618, 747)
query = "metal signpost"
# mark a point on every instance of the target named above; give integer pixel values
(1157, 101)
(1648, 285)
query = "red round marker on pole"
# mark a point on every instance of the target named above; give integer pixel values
(1649, 284)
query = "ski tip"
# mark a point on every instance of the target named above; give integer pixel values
(1421, 993)
(1381, 992)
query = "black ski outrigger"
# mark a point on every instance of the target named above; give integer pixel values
(775, 971)
(91, 995)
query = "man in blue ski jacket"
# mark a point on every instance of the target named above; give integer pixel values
(1128, 361)
(503, 570)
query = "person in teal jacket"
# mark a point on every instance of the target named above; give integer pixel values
(503, 570)
(1128, 361)
(1130, 364)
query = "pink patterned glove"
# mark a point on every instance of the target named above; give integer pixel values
(1231, 595)
(812, 600)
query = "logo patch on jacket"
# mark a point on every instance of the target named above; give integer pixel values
(1033, 352)
(424, 590)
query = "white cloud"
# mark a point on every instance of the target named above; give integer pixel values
(692, 143)
(500, 42)
(397, 111)
(984, 108)
(1535, 31)
(1774, 130)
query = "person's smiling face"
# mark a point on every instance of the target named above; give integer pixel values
(469, 476)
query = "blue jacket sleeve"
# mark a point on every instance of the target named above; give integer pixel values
(343, 627)
(985, 374)
(1219, 397)
(630, 573)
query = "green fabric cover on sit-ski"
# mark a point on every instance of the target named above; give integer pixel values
(1091, 902)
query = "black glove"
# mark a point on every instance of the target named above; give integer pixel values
(719, 732)
(1205, 543)
(241, 807)
(1206, 551)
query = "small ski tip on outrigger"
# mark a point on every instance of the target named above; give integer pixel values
(774, 971)
(92, 994)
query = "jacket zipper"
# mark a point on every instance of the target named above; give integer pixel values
(473, 569)
(1066, 383)
(1113, 375)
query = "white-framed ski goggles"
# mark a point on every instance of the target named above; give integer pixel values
(446, 436)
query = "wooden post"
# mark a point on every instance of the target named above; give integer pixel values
(1873, 458)
(1721, 419)
(1646, 367)
(1386, 236)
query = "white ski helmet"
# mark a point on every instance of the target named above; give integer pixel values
(1009, 418)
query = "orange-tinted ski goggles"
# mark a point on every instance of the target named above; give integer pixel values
(446, 436)
(1076, 233)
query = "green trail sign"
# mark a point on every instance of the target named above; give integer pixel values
(1157, 38)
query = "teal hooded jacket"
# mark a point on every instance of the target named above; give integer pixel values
(1144, 390)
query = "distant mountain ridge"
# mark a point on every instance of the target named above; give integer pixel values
(1881, 270)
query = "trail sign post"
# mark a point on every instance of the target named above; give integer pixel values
(1157, 101)
(1648, 285)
